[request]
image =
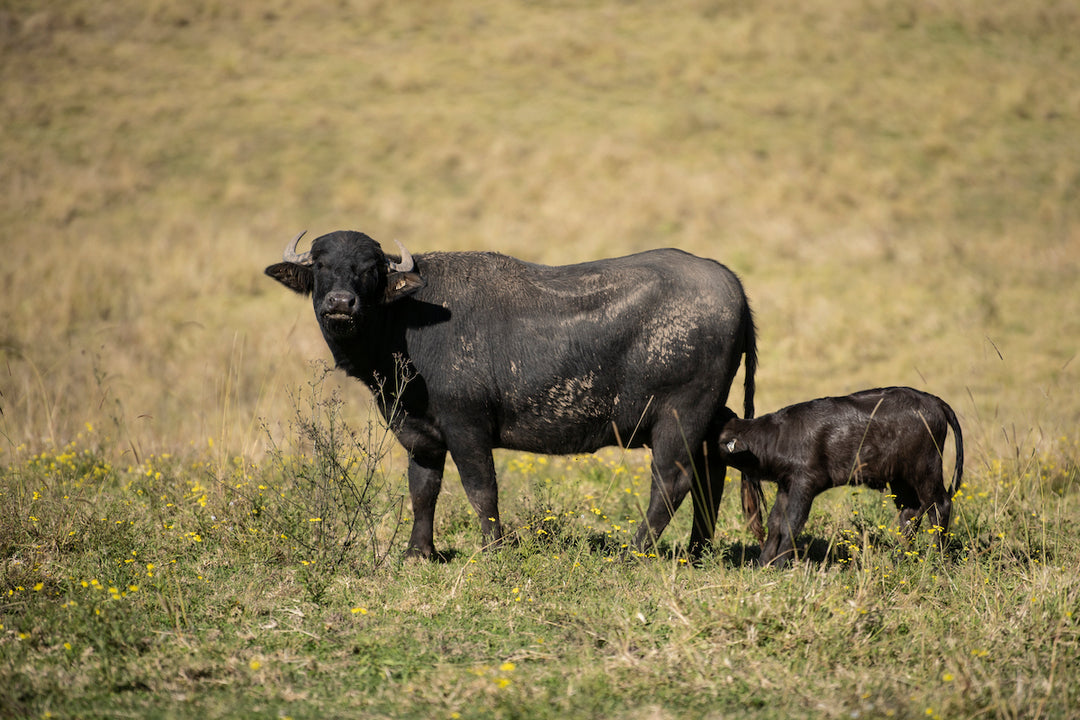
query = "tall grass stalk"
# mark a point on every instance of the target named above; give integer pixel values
(344, 504)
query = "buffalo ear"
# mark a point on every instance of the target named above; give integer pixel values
(402, 284)
(297, 278)
(735, 445)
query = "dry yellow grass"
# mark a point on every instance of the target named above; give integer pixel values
(898, 184)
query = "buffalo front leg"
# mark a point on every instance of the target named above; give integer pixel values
(425, 481)
(477, 470)
(786, 521)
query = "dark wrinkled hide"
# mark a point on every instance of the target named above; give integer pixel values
(496, 352)
(886, 437)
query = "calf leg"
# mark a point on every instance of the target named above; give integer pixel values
(934, 499)
(939, 513)
(911, 512)
(928, 498)
(425, 481)
(787, 519)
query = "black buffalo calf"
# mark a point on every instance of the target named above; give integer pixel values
(886, 437)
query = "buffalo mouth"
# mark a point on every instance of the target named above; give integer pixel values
(339, 323)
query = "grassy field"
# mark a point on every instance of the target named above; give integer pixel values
(173, 588)
(897, 183)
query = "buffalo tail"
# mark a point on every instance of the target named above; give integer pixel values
(958, 438)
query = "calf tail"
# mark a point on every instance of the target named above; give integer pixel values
(753, 505)
(958, 438)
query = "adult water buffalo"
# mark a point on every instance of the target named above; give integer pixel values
(469, 351)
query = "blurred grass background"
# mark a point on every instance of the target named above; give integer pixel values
(897, 183)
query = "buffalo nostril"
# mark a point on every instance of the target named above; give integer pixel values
(339, 302)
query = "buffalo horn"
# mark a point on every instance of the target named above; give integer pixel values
(291, 256)
(406, 264)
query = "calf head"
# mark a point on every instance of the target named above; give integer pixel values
(735, 448)
(736, 445)
(347, 276)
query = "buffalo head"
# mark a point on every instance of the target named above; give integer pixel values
(738, 447)
(347, 276)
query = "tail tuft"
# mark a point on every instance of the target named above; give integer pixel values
(753, 504)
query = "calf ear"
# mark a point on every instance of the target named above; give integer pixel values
(402, 284)
(735, 445)
(297, 278)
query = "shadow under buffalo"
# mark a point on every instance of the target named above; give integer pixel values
(817, 551)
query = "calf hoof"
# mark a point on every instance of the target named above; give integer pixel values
(779, 562)
(698, 549)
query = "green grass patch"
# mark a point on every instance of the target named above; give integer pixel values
(169, 589)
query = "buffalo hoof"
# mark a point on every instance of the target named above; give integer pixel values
(417, 554)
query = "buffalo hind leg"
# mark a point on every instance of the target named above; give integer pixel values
(935, 499)
(786, 521)
(671, 482)
(707, 490)
(913, 505)
(932, 502)
(939, 513)
(907, 503)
